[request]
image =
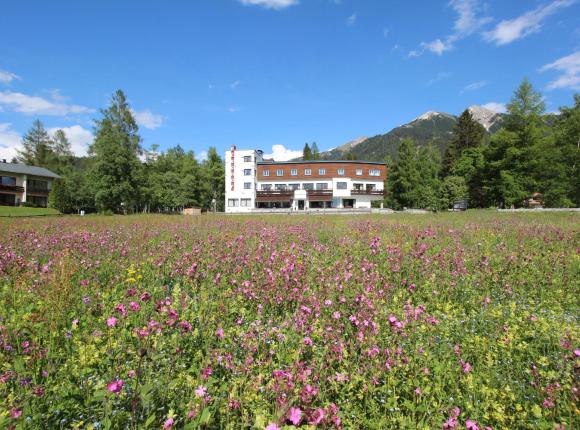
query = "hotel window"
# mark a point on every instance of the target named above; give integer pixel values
(322, 186)
(308, 186)
(232, 203)
(247, 158)
(279, 172)
(322, 172)
(341, 185)
(294, 172)
(340, 172)
(358, 187)
(294, 187)
(308, 172)
(374, 172)
(247, 185)
(245, 203)
(266, 187)
(266, 172)
(280, 187)
(247, 172)
(359, 172)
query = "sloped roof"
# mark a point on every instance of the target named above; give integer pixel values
(23, 169)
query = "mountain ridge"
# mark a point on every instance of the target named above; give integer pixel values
(432, 127)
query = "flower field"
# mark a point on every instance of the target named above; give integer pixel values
(451, 321)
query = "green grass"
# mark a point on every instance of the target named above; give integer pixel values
(11, 211)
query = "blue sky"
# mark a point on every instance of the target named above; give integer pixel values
(273, 74)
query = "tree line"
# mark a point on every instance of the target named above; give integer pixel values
(532, 154)
(118, 175)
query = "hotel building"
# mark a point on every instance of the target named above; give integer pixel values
(255, 183)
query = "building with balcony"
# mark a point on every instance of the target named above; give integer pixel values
(255, 183)
(20, 184)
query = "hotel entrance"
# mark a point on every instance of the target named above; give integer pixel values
(300, 205)
(348, 203)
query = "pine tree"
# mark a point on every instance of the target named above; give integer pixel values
(315, 152)
(116, 150)
(37, 147)
(428, 189)
(306, 152)
(513, 157)
(62, 146)
(213, 173)
(567, 149)
(467, 133)
(405, 177)
(525, 111)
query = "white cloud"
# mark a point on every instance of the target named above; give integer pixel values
(27, 104)
(569, 68)
(495, 106)
(148, 119)
(281, 153)
(233, 109)
(530, 22)
(475, 86)
(79, 138)
(270, 4)
(351, 20)
(9, 141)
(235, 84)
(202, 156)
(7, 77)
(437, 46)
(468, 21)
(386, 32)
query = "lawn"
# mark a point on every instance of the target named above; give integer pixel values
(12, 211)
(446, 321)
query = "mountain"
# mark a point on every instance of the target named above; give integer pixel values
(339, 152)
(490, 120)
(430, 128)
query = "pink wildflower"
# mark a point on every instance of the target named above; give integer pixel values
(317, 417)
(295, 416)
(471, 425)
(115, 386)
(307, 341)
(15, 413)
(168, 423)
(219, 333)
(200, 391)
(112, 322)
(272, 426)
(206, 373)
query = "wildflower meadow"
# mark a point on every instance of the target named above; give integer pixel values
(445, 321)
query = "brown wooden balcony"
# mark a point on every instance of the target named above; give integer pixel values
(12, 188)
(274, 195)
(367, 192)
(319, 195)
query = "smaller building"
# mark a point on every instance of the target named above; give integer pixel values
(22, 184)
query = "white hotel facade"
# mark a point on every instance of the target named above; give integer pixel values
(253, 183)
